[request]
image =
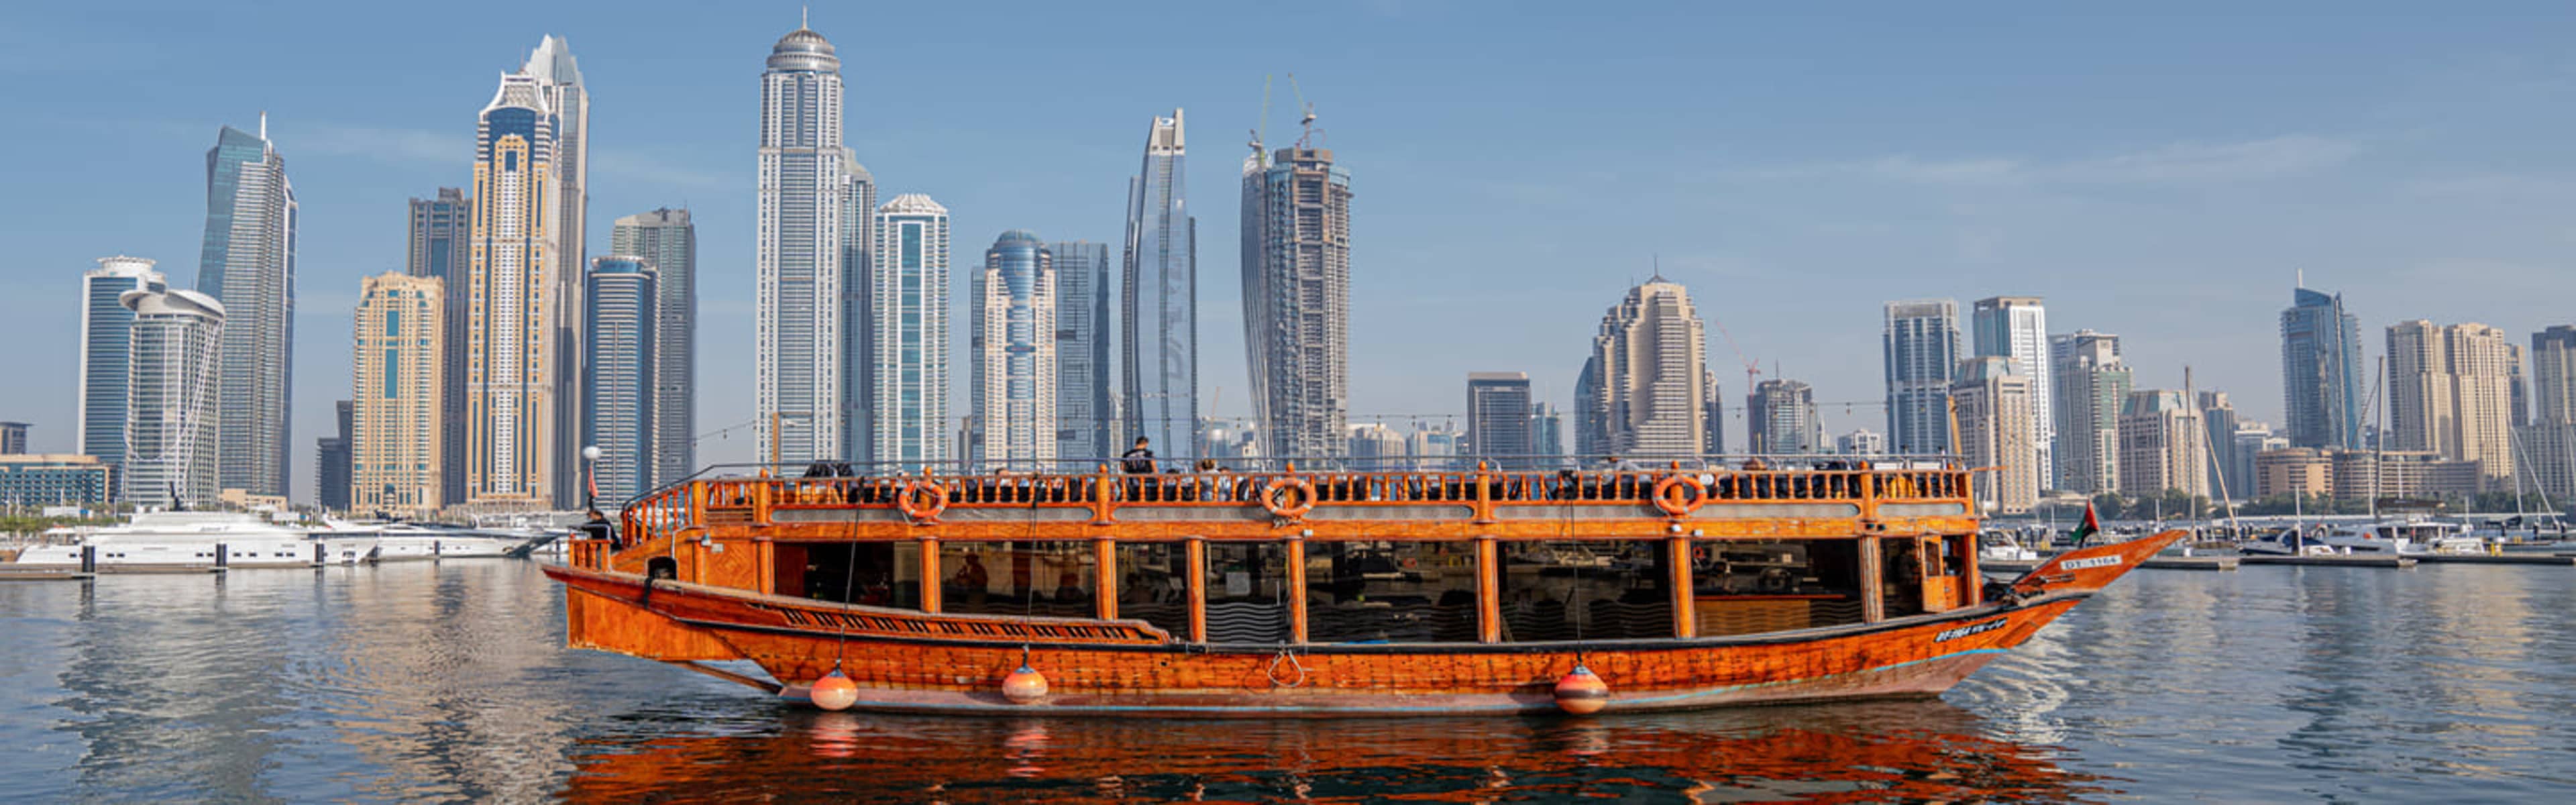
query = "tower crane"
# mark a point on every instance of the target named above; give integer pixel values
(1261, 159)
(1306, 124)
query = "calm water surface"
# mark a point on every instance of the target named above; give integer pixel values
(448, 682)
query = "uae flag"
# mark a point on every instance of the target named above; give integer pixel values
(2090, 527)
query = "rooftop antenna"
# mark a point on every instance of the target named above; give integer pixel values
(263, 124)
(2303, 276)
(805, 18)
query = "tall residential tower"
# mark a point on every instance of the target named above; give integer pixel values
(248, 264)
(397, 398)
(668, 244)
(1922, 349)
(1297, 299)
(2015, 328)
(1160, 328)
(621, 328)
(442, 248)
(1014, 349)
(799, 251)
(1086, 384)
(106, 326)
(908, 332)
(2321, 374)
(510, 364)
(1643, 390)
(173, 372)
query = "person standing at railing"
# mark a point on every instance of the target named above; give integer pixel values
(1138, 460)
(599, 528)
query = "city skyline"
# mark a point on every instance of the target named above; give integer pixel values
(1812, 335)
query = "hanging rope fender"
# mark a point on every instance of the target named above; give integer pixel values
(1290, 658)
(922, 500)
(1678, 495)
(1288, 497)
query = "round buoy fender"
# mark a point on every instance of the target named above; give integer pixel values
(1288, 496)
(1582, 692)
(922, 500)
(1024, 685)
(1678, 495)
(834, 691)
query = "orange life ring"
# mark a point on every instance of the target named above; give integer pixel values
(922, 500)
(1669, 498)
(1297, 500)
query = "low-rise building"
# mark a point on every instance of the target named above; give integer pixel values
(53, 479)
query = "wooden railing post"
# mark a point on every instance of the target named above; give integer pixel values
(1873, 582)
(1489, 590)
(930, 578)
(765, 552)
(1196, 554)
(1297, 589)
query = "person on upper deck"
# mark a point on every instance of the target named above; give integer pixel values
(1139, 460)
(598, 527)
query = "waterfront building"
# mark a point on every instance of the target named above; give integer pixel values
(174, 369)
(1013, 345)
(2092, 388)
(398, 460)
(510, 410)
(2016, 328)
(2321, 371)
(442, 247)
(98, 421)
(2549, 442)
(332, 458)
(1296, 299)
(621, 331)
(1641, 389)
(908, 335)
(799, 244)
(1921, 348)
(667, 242)
(2160, 446)
(551, 64)
(13, 438)
(2218, 424)
(1159, 300)
(2401, 475)
(2448, 393)
(1993, 404)
(1086, 387)
(2293, 470)
(52, 479)
(1547, 434)
(1861, 442)
(1498, 420)
(248, 264)
(1432, 448)
(1780, 418)
(1375, 447)
(2249, 439)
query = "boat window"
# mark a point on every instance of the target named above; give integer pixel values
(1901, 569)
(1591, 590)
(1391, 592)
(1052, 578)
(1153, 585)
(1756, 587)
(1247, 592)
(878, 574)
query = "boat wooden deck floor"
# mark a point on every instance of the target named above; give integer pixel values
(1322, 593)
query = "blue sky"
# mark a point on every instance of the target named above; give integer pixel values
(1516, 166)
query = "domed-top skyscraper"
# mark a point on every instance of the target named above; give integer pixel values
(808, 244)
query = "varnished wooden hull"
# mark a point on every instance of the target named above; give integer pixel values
(909, 662)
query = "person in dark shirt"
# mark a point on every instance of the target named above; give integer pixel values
(1140, 460)
(599, 528)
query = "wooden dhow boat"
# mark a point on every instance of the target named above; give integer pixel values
(1322, 593)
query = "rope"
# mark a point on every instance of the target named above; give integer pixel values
(1273, 670)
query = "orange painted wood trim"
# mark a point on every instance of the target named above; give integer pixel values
(765, 552)
(1296, 590)
(1104, 589)
(1677, 552)
(930, 578)
(1873, 581)
(1197, 554)
(1489, 591)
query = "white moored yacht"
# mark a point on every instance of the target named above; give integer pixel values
(183, 541)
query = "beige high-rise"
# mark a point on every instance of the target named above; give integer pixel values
(2160, 446)
(2450, 393)
(1644, 391)
(396, 396)
(1994, 407)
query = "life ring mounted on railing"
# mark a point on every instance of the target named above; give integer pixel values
(922, 501)
(1679, 495)
(1288, 497)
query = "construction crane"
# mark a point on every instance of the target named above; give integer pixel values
(1305, 125)
(1261, 125)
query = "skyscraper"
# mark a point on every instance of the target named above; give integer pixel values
(2092, 390)
(908, 335)
(332, 459)
(1780, 417)
(174, 366)
(1642, 387)
(1498, 419)
(13, 438)
(668, 243)
(442, 247)
(800, 247)
(2517, 386)
(1296, 299)
(1014, 352)
(2016, 328)
(248, 264)
(1922, 348)
(2549, 442)
(1086, 386)
(858, 255)
(2321, 371)
(552, 65)
(2160, 446)
(1547, 435)
(2448, 394)
(398, 405)
(510, 410)
(1994, 405)
(621, 333)
(106, 325)
(2218, 420)
(1159, 297)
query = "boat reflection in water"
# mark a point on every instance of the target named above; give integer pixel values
(1893, 750)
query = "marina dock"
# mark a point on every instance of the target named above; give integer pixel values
(15, 574)
(2559, 560)
(2339, 560)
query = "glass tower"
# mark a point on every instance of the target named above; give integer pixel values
(248, 264)
(442, 248)
(619, 340)
(1922, 349)
(2321, 371)
(908, 336)
(1160, 293)
(1086, 409)
(800, 248)
(665, 240)
(99, 424)
(1015, 355)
